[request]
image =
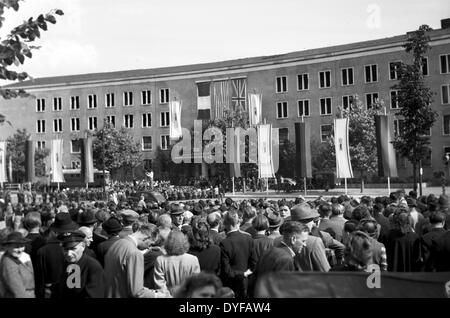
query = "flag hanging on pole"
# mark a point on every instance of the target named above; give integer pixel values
(29, 161)
(303, 150)
(87, 163)
(2, 161)
(343, 163)
(175, 120)
(204, 100)
(387, 165)
(265, 165)
(56, 161)
(239, 93)
(221, 91)
(10, 169)
(254, 108)
(233, 155)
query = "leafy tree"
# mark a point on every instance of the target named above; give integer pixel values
(287, 160)
(16, 150)
(117, 147)
(15, 47)
(415, 99)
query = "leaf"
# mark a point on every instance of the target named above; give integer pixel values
(21, 58)
(50, 18)
(43, 26)
(59, 12)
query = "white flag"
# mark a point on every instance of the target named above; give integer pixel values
(2, 161)
(265, 165)
(343, 163)
(255, 102)
(175, 120)
(56, 161)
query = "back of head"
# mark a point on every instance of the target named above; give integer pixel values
(260, 223)
(231, 219)
(149, 229)
(437, 217)
(32, 220)
(325, 210)
(358, 253)
(369, 226)
(213, 219)
(249, 213)
(337, 209)
(196, 282)
(360, 212)
(176, 243)
(164, 221)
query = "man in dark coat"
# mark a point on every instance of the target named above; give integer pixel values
(83, 275)
(112, 228)
(237, 257)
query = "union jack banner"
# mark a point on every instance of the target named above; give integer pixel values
(239, 93)
(221, 98)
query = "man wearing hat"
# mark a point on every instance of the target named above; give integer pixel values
(444, 206)
(50, 257)
(83, 275)
(275, 221)
(430, 242)
(128, 218)
(111, 229)
(176, 212)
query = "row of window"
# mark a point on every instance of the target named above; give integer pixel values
(128, 122)
(348, 75)
(91, 100)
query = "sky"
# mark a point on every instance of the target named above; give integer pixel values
(111, 35)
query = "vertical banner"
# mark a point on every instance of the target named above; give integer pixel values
(239, 93)
(3, 161)
(87, 163)
(387, 165)
(221, 92)
(175, 120)
(10, 169)
(56, 161)
(343, 163)
(265, 166)
(233, 154)
(254, 108)
(204, 100)
(29, 161)
(303, 150)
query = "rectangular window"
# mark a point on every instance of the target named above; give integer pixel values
(303, 82)
(282, 110)
(393, 67)
(325, 132)
(109, 100)
(371, 98)
(394, 101)
(371, 73)
(92, 101)
(324, 79)
(74, 124)
(446, 124)
(146, 120)
(163, 95)
(146, 97)
(347, 76)
(75, 145)
(74, 102)
(128, 121)
(398, 127)
(445, 89)
(148, 164)
(57, 125)
(40, 126)
(445, 63)
(40, 144)
(425, 66)
(164, 119)
(347, 101)
(57, 104)
(111, 119)
(40, 105)
(165, 142)
(281, 84)
(92, 123)
(325, 106)
(147, 143)
(127, 98)
(303, 107)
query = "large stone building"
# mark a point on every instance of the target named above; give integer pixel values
(311, 83)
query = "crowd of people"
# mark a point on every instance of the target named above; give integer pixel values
(209, 248)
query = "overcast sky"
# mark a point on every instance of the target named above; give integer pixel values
(109, 35)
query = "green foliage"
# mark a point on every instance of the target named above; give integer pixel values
(15, 47)
(415, 99)
(287, 160)
(16, 150)
(120, 149)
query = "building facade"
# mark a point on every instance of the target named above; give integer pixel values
(309, 84)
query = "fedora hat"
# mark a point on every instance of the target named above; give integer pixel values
(275, 220)
(87, 217)
(63, 223)
(16, 239)
(303, 212)
(176, 210)
(112, 225)
(129, 215)
(444, 201)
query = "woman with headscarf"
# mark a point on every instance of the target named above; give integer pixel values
(16, 270)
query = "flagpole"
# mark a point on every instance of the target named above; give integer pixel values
(388, 178)
(345, 182)
(232, 180)
(304, 178)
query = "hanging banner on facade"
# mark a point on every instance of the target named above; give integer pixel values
(265, 166)
(255, 106)
(175, 120)
(29, 161)
(341, 145)
(87, 165)
(57, 175)
(387, 165)
(2, 161)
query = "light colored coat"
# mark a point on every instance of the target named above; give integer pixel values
(16, 278)
(124, 271)
(171, 271)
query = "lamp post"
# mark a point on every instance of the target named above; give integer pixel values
(103, 157)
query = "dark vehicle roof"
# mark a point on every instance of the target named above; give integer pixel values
(151, 195)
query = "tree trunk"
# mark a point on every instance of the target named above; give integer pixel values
(362, 180)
